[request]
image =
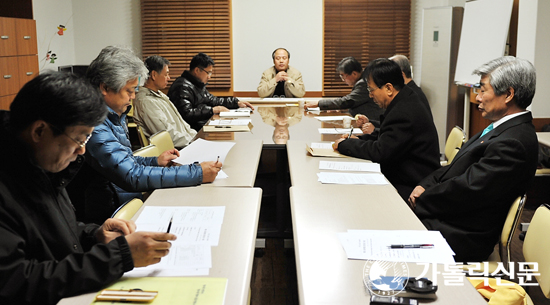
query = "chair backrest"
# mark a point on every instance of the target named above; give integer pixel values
(536, 247)
(456, 138)
(147, 151)
(510, 226)
(162, 141)
(142, 137)
(128, 209)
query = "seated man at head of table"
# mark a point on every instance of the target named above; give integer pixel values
(113, 175)
(195, 104)
(407, 146)
(153, 111)
(281, 80)
(369, 125)
(468, 200)
(358, 101)
(45, 253)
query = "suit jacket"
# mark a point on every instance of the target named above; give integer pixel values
(407, 147)
(421, 95)
(469, 199)
(358, 102)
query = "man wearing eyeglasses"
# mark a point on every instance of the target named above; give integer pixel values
(45, 253)
(407, 146)
(195, 104)
(358, 101)
(281, 80)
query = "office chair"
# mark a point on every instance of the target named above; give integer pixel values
(537, 246)
(456, 138)
(162, 141)
(147, 151)
(504, 244)
(142, 137)
(128, 209)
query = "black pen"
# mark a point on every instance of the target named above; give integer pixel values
(413, 246)
(170, 224)
(350, 133)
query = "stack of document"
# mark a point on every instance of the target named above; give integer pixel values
(375, 177)
(236, 113)
(408, 246)
(331, 118)
(339, 131)
(323, 150)
(197, 229)
(228, 125)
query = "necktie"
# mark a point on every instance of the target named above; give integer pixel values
(487, 129)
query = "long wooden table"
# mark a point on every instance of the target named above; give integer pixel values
(240, 165)
(233, 257)
(320, 211)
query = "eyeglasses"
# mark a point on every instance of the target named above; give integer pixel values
(82, 144)
(343, 77)
(370, 90)
(476, 88)
(207, 72)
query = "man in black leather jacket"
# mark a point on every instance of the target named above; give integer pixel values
(188, 93)
(45, 254)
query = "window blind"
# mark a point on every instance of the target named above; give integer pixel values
(364, 29)
(179, 29)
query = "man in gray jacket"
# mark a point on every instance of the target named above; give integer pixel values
(358, 101)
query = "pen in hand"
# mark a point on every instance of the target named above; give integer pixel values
(413, 246)
(350, 133)
(170, 224)
(218, 160)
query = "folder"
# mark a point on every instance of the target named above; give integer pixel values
(175, 290)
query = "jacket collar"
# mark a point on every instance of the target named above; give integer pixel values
(113, 116)
(193, 80)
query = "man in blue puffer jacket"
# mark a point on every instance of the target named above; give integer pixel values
(114, 175)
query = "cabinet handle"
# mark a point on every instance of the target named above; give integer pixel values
(29, 73)
(7, 76)
(4, 36)
(26, 37)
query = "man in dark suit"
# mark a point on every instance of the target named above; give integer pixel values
(469, 199)
(407, 146)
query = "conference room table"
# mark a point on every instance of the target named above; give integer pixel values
(321, 211)
(233, 257)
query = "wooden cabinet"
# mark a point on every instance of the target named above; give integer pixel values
(18, 56)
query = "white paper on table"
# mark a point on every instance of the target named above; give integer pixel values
(230, 122)
(348, 178)
(313, 109)
(221, 175)
(201, 150)
(350, 166)
(196, 234)
(322, 145)
(339, 131)
(331, 118)
(375, 245)
(234, 114)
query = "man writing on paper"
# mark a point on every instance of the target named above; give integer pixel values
(358, 101)
(281, 80)
(45, 254)
(154, 111)
(112, 174)
(367, 124)
(469, 199)
(195, 104)
(407, 146)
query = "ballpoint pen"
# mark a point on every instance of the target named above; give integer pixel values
(350, 133)
(218, 160)
(413, 246)
(170, 224)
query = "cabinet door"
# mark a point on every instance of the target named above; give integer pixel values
(5, 101)
(28, 68)
(26, 36)
(8, 44)
(9, 75)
